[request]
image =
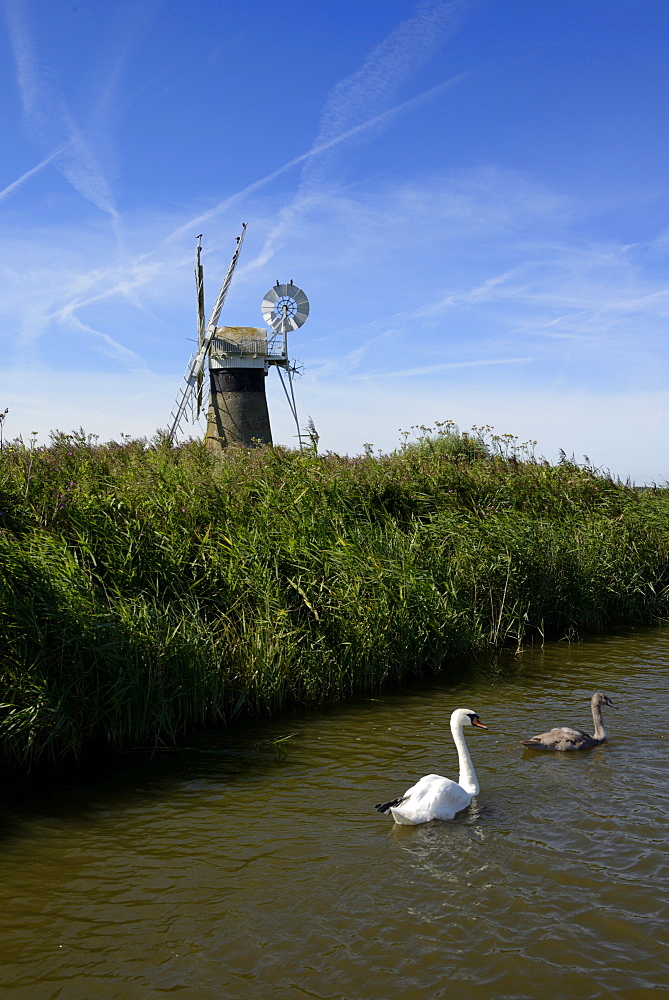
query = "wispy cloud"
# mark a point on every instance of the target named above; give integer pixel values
(381, 119)
(363, 94)
(107, 344)
(429, 336)
(441, 367)
(49, 121)
(15, 185)
(356, 104)
(469, 293)
(354, 108)
(493, 288)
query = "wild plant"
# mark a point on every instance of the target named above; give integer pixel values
(147, 590)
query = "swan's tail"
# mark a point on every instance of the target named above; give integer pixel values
(385, 807)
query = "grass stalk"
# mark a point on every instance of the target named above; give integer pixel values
(148, 591)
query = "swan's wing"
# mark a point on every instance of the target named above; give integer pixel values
(385, 807)
(415, 793)
(422, 787)
(433, 797)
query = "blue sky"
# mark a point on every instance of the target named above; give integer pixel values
(472, 193)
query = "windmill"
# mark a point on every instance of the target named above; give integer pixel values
(239, 359)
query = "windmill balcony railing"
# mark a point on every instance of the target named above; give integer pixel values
(273, 348)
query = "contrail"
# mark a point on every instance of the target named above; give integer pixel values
(385, 116)
(109, 346)
(326, 144)
(47, 116)
(29, 173)
(397, 57)
(410, 45)
(429, 369)
(413, 102)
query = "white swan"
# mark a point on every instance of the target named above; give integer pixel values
(434, 797)
(566, 738)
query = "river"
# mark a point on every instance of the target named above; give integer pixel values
(253, 864)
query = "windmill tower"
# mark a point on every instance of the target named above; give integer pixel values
(239, 359)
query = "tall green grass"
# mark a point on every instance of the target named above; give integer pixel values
(147, 590)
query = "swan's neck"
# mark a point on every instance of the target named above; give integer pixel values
(467, 778)
(600, 732)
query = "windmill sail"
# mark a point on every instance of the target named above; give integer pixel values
(199, 287)
(190, 395)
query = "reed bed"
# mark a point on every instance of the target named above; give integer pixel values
(149, 590)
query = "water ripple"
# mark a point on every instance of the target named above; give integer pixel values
(234, 870)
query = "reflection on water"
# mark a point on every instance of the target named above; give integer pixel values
(244, 868)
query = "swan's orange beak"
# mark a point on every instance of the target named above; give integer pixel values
(477, 722)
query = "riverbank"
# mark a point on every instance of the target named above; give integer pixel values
(147, 591)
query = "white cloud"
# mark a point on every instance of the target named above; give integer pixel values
(365, 93)
(16, 184)
(357, 105)
(442, 367)
(569, 312)
(107, 345)
(480, 295)
(49, 121)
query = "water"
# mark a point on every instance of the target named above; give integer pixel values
(247, 868)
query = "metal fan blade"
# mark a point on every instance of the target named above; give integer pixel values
(294, 316)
